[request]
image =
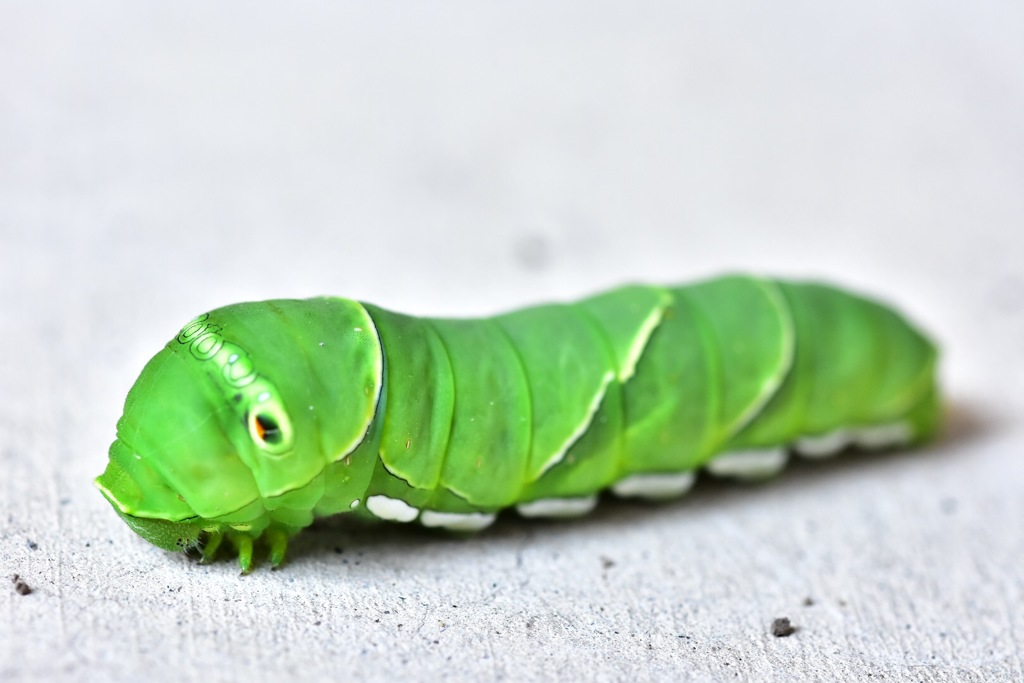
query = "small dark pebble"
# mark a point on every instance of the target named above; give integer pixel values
(32, 545)
(20, 587)
(782, 628)
(808, 601)
(607, 562)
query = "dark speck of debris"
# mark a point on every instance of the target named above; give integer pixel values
(607, 562)
(20, 587)
(32, 545)
(782, 628)
(808, 601)
(338, 550)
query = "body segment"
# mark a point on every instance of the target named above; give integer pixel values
(259, 417)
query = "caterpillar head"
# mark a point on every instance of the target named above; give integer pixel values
(244, 408)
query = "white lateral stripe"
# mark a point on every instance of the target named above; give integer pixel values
(391, 509)
(640, 343)
(654, 486)
(752, 464)
(559, 454)
(557, 507)
(457, 521)
(378, 378)
(788, 354)
(822, 445)
(882, 436)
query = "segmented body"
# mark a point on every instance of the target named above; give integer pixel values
(260, 417)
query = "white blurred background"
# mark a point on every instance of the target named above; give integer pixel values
(458, 157)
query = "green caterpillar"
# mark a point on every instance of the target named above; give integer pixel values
(259, 417)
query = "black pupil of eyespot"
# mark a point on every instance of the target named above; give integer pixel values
(269, 430)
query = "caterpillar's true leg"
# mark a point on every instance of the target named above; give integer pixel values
(243, 542)
(209, 549)
(278, 541)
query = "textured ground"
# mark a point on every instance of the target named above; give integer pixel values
(449, 159)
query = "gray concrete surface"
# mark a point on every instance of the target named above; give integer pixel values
(460, 159)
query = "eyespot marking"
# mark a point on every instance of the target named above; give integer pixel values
(267, 429)
(270, 429)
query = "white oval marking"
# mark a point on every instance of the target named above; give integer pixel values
(752, 464)
(654, 486)
(557, 507)
(391, 509)
(354, 504)
(822, 445)
(457, 521)
(882, 436)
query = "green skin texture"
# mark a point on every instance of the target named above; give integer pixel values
(260, 417)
